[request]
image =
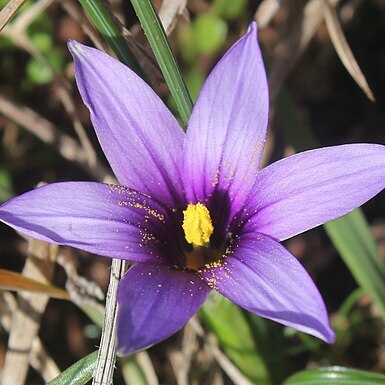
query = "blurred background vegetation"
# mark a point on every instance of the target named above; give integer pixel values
(325, 61)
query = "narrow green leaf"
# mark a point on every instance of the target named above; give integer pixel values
(335, 376)
(235, 337)
(95, 314)
(349, 302)
(158, 41)
(210, 33)
(106, 25)
(79, 373)
(353, 240)
(5, 185)
(131, 371)
(350, 234)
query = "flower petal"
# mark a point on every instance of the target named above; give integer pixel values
(264, 278)
(107, 220)
(154, 302)
(308, 189)
(139, 135)
(227, 128)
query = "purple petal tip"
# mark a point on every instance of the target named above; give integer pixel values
(253, 27)
(330, 339)
(77, 49)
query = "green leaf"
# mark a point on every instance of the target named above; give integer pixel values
(186, 44)
(42, 41)
(353, 240)
(55, 59)
(194, 80)
(350, 234)
(235, 337)
(96, 316)
(5, 185)
(106, 25)
(131, 371)
(210, 33)
(158, 41)
(38, 73)
(79, 373)
(335, 376)
(230, 9)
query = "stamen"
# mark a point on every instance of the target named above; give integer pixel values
(197, 224)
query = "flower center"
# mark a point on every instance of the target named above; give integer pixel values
(198, 228)
(197, 224)
(202, 256)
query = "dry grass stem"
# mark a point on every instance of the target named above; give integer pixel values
(66, 99)
(16, 31)
(342, 48)
(181, 359)
(266, 11)
(21, 40)
(82, 291)
(76, 13)
(144, 362)
(9, 11)
(227, 366)
(25, 324)
(67, 147)
(24, 20)
(38, 357)
(12, 281)
(170, 11)
(297, 37)
(107, 351)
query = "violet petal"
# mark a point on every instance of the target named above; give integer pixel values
(227, 128)
(140, 137)
(308, 189)
(155, 302)
(107, 220)
(261, 276)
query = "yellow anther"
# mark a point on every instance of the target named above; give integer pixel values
(197, 224)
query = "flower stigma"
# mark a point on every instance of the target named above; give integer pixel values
(197, 224)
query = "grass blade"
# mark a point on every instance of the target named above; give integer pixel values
(79, 373)
(335, 376)
(106, 25)
(350, 234)
(353, 240)
(164, 56)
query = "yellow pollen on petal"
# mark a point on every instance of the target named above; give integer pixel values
(197, 224)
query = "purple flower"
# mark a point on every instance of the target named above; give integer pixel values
(197, 214)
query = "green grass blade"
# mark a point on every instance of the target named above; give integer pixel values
(335, 376)
(158, 41)
(79, 373)
(106, 25)
(353, 240)
(95, 314)
(132, 373)
(350, 234)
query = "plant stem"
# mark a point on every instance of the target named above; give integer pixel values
(107, 352)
